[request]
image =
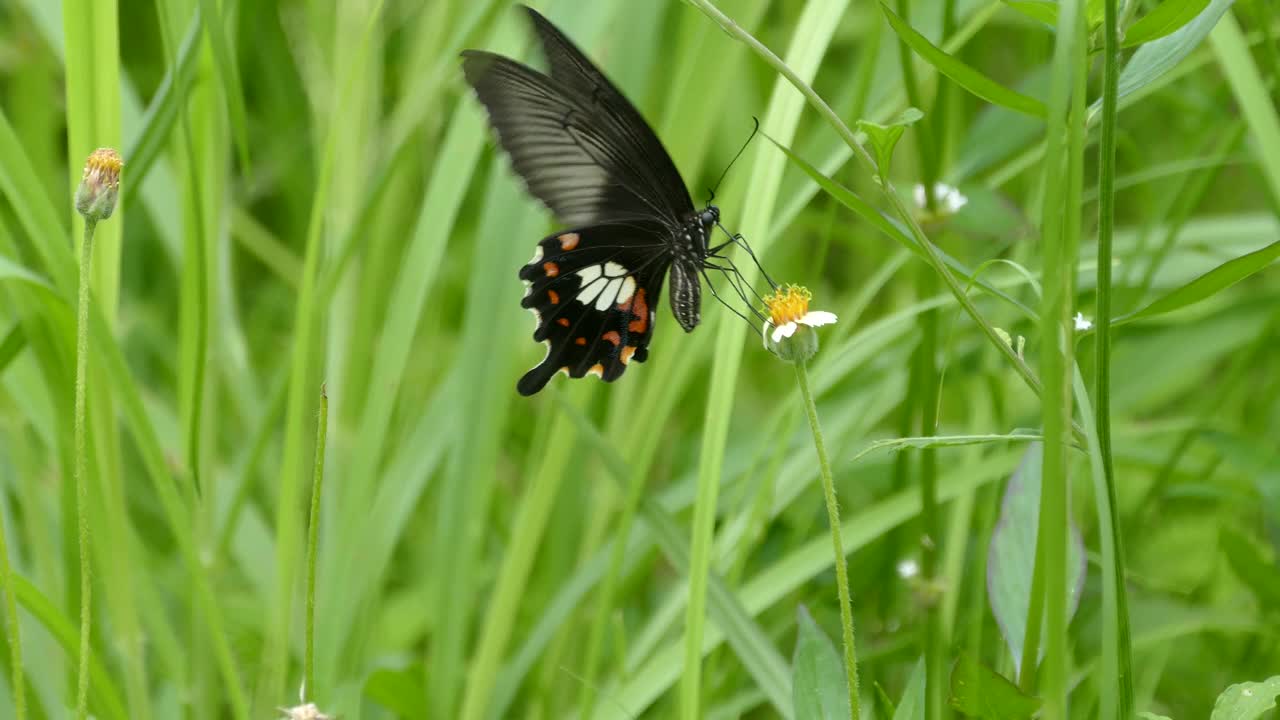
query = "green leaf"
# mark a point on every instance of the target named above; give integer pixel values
(1011, 555)
(884, 138)
(964, 75)
(1144, 715)
(1251, 566)
(1094, 11)
(1246, 701)
(1209, 284)
(979, 691)
(911, 706)
(1168, 17)
(398, 690)
(1160, 56)
(14, 342)
(1045, 11)
(817, 676)
(228, 73)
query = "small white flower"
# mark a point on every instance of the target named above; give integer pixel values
(908, 569)
(1082, 322)
(788, 311)
(307, 711)
(813, 318)
(950, 199)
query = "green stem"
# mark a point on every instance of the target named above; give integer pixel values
(931, 532)
(833, 518)
(15, 632)
(1116, 658)
(313, 545)
(82, 470)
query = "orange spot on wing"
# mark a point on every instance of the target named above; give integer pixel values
(613, 337)
(551, 269)
(597, 370)
(580, 341)
(569, 241)
(564, 321)
(554, 296)
(627, 352)
(639, 310)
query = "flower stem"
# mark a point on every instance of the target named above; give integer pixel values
(313, 545)
(833, 518)
(82, 470)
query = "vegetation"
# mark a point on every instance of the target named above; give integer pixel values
(1048, 411)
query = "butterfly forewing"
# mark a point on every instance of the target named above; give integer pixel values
(592, 291)
(631, 133)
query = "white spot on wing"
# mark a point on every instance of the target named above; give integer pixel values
(604, 285)
(537, 255)
(628, 289)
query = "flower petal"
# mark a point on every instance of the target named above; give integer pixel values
(785, 330)
(818, 318)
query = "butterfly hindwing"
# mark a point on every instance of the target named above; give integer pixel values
(593, 291)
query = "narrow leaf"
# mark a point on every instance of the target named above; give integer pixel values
(978, 691)
(1250, 565)
(1246, 701)
(1011, 556)
(14, 342)
(229, 73)
(1045, 11)
(1168, 17)
(1144, 715)
(1160, 56)
(1209, 284)
(911, 706)
(964, 75)
(817, 675)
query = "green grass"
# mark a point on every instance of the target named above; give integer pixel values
(311, 198)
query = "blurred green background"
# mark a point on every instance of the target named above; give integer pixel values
(311, 197)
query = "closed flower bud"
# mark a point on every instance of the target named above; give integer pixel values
(96, 196)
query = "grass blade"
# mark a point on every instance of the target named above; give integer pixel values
(963, 75)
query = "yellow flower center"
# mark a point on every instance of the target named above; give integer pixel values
(103, 167)
(787, 304)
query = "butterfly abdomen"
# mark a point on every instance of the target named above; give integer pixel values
(689, 251)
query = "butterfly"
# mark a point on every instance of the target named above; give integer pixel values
(588, 155)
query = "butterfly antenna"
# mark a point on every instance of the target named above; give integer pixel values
(741, 150)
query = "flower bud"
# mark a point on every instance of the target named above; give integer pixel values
(96, 196)
(797, 347)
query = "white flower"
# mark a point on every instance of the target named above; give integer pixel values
(950, 200)
(813, 318)
(1082, 322)
(788, 311)
(908, 569)
(307, 711)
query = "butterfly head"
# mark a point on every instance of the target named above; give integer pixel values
(709, 217)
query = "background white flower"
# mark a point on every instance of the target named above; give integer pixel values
(950, 199)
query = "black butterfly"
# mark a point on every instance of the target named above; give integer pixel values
(589, 156)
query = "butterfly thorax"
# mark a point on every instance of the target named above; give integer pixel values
(689, 251)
